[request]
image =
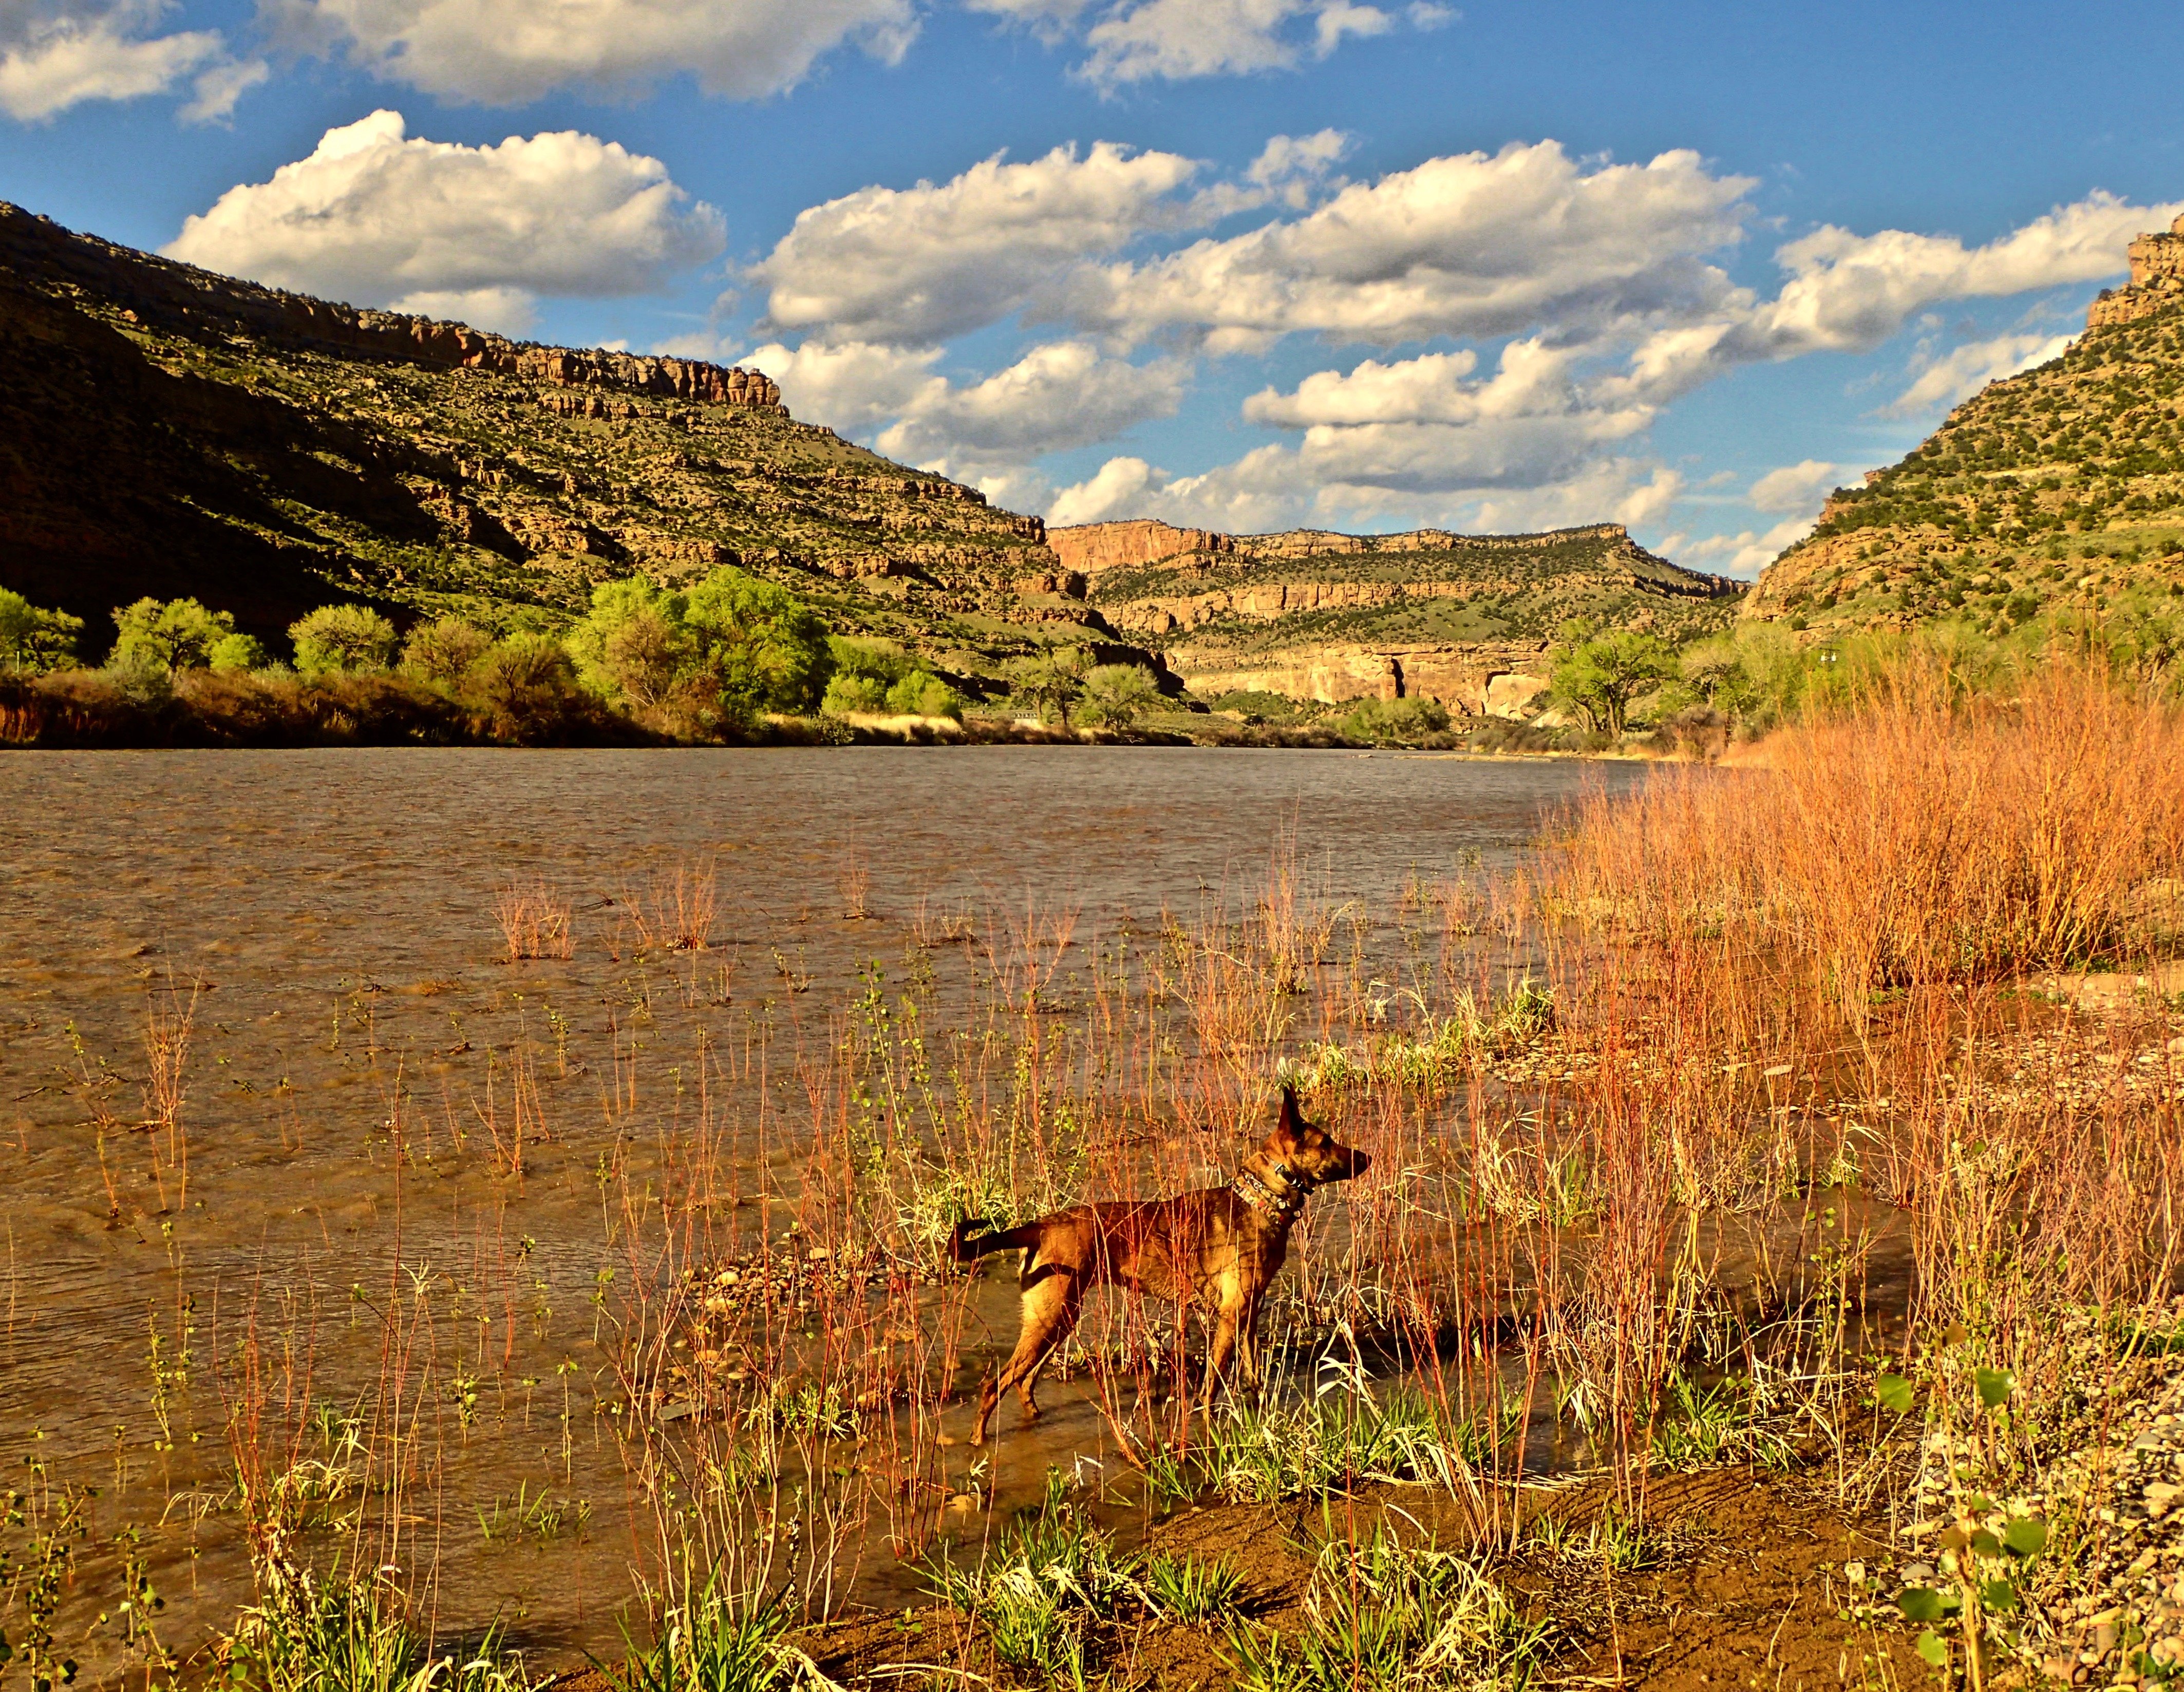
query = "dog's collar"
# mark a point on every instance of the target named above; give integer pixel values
(1284, 1205)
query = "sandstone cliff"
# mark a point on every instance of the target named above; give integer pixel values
(2157, 280)
(2058, 490)
(1465, 620)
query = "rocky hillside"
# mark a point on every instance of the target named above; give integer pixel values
(1465, 620)
(2058, 489)
(168, 431)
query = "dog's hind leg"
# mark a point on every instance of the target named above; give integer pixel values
(1051, 1304)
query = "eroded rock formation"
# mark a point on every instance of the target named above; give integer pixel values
(2157, 280)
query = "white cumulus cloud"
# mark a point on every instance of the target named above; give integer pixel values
(1793, 487)
(1745, 553)
(511, 52)
(375, 216)
(1058, 396)
(55, 57)
(845, 385)
(1965, 370)
(1138, 41)
(1474, 244)
(915, 265)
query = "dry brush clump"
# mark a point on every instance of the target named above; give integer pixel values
(1923, 839)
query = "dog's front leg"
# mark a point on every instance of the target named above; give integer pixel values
(1228, 1325)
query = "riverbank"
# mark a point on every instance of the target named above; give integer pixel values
(83, 709)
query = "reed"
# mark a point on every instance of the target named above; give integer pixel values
(536, 921)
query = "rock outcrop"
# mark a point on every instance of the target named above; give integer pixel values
(1487, 679)
(2157, 280)
(1089, 548)
(1462, 619)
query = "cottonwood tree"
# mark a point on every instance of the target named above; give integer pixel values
(1597, 673)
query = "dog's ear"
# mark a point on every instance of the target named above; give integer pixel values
(1289, 1122)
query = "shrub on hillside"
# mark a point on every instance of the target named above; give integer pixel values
(872, 678)
(1052, 682)
(524, 685)
(923, 694)
(854, 696)
(341, 640)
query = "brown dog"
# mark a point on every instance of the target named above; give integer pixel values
(1224, 1245)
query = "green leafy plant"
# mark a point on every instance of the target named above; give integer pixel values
(1984, 1553)
(1382, 1617)
(1116, 695)
(1394, 722)
(714, 1642)
(172, 635)
(33, 638)
(1598, 674)
(341, 640)
(441, 652)
(1039, 1589)
(1193, 1589)
(235, 653)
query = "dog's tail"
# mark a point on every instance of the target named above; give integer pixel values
(974, 1237)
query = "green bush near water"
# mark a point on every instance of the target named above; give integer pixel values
(33, 638)
(728, 649)
(342, 640)
(172, 635)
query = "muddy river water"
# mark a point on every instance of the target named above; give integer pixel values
(173, 1208)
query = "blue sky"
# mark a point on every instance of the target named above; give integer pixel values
(1252, 263)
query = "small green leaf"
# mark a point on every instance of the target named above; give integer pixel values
(1986, 1543)
(1994, 1385)
(2025, 1536)
(1980, 1503)
(1935, 1653)
(1920, 1604)
(1998, 1594)
(1953, 1539)
(1894, 1392)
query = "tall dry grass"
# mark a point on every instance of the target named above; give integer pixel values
(1927, 838)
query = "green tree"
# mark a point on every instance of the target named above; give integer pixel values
(732, 646)
(854, 696)
(236, 652)
(1597, 673)
(32, 637)
(923, 694)
(172, 635)
(442, 651)
(341, 640)
(1116, 695)
(764, 648)
(525, 683)
(1052, 683)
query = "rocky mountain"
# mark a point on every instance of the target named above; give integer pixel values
(2059, 489)
(169, 431)
(1462, 619)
